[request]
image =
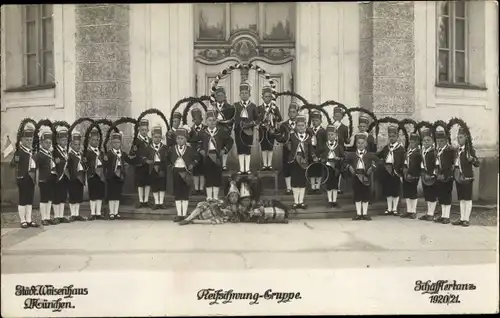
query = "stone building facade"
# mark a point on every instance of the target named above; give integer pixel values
(113, 60)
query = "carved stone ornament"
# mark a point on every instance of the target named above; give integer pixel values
(244, 50)
(276, 53)
(213, 54)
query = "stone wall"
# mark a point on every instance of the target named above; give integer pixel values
(102, 60)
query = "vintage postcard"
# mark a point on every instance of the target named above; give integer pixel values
(295, 158)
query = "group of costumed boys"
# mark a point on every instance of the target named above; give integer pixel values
(197, 156)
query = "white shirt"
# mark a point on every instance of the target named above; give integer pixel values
(156, 147)
(244, 112)
(390, 155)
(337, 124)
(98, 162)
(457, 161)
(301, 138)
(118, 155)
(180, 163)
(48, 154)
(408, 154)
(78, 155)
(331, 146)
(219, 111)
(361, 163)
(291, 123)
(438, 157)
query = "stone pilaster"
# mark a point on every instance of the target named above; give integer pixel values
(102, 61)
(387, 58)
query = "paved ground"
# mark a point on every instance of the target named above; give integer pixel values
(163, 245)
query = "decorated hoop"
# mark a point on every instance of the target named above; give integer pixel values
(144, 114)
(392, 120)
(114, 126)
(20, 130)
(293, 94)
(444, 125)
(76, 123)
(36, 137)
(190, 104)
(343, 107)
(95, 125)
(469, 148)
(463, 125)
(361, 110)
(54, 130)
(324, 176)
(421, 125)
(311, 107)
(176, 106)
(239, 66)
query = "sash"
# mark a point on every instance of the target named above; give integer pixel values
(80, 171)
(408, 177)
(360, 169)
(220, 114)
(458, 172)
(314, 140)
(213, 156)
(65, 157)
(300, 156)
(118, 165)
(331, 154)
(98, 167)
(156, 160)
(389, 159)
(31, 163)
(179, 162)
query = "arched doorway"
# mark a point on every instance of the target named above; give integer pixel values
(262, 33)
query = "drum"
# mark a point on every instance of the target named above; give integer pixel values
(460, 178)
(408, 177)
(427, 179)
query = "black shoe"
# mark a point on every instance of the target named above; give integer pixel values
(118, 216)
(178, 218)
(303, 206)
(465, 223)
(63, 220)
(412, 216)
(92, 218)
(155, 207)
(45, 223)
(395, 213)
(224, 168)
(288, 192)
(72, 219)
(239, 172)
(438, 220)
(111, 216)
(387, 212)
(367, 218)
(340, 191)
(80, 218)
(295, 206)
(139, 205)
(24, 225)
(446, 220)
(33, 224)
(425, 217)
(357, 218)
(458, 222)
(54, 221)
(98, 217)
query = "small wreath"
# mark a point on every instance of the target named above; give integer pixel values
(95, 125)
(463, 125)
(144, 114)
(54, 130)
(442, 124)
(311, 107)
(76, 123)
(293, 94)
(361, 110)
(324, 176)
(393, 120)
(421, 125)
(176, 106)
(20, 130)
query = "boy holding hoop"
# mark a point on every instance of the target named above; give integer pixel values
(318, 138)
(287, 128)
(141, 173)
(332, 155)
(225, 113)
(247, 117)
(269, 116)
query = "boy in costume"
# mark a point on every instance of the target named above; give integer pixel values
(77, 170)
(25, 167)
(225, 114)
(96, 178)
(392, 158)
(247, 117)
(361, 165)
(195, 140)
(142, 177)
(269, 117)
(214, 143)
(176, 123)
(182, 158)
(158, 167)
(287, 128)
(411, 176)
(464, 176)
(46, 174)
(318, 139)
(62, 182)
(332, 155)
(427, 172)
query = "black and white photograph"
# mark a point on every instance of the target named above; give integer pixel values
(253, 158)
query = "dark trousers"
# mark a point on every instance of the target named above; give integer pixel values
(46, 190)
(212, 172)
(243, 142)
(114, 188)
(266, 140)
(410, 189)
(158, 181)
(75, 191)
(26, 190)
(444, 190)
(298, 175)
(97, 188)
(181, 187)
(361, 191)
(287, 166)
(430, 192)
(464, 190)
(332, 183)
(391, 185)
(142, 178)
(61, 190)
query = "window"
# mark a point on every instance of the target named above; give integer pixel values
(452, 42)
(268, 21)
(38, 45)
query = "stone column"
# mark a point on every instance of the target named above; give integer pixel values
(103, 61)
(387, 58)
